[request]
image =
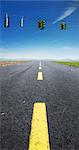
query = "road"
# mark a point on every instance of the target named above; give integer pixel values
(59, 90)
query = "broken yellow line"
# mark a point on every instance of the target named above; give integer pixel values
(40, 64)
(40, 68)
(40, 75)
(39, 139)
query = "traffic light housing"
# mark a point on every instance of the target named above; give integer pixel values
(41, 24)
(63, 26)
(22, 22)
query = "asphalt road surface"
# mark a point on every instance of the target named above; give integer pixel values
(20, 89)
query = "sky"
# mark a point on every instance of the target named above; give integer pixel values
(30, 42)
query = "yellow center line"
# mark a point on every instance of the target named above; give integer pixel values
(40, 68)
(40, 64)
(40, 76)
(39, 139)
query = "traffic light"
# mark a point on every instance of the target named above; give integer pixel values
(63, 26)
(41, 24)
(7, 21)
(22, 22)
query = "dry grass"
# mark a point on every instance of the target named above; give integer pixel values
(9, 63)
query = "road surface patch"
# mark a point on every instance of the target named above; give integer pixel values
(2, 114)
(39, 139)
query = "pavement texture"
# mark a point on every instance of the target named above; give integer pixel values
(20, 89)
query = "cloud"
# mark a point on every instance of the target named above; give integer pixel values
(67, 13)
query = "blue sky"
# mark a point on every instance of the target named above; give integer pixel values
(29, 41)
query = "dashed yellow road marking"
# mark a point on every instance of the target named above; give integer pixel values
(40, 68)
(40, 76)
(39, 139)
(40, 64)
